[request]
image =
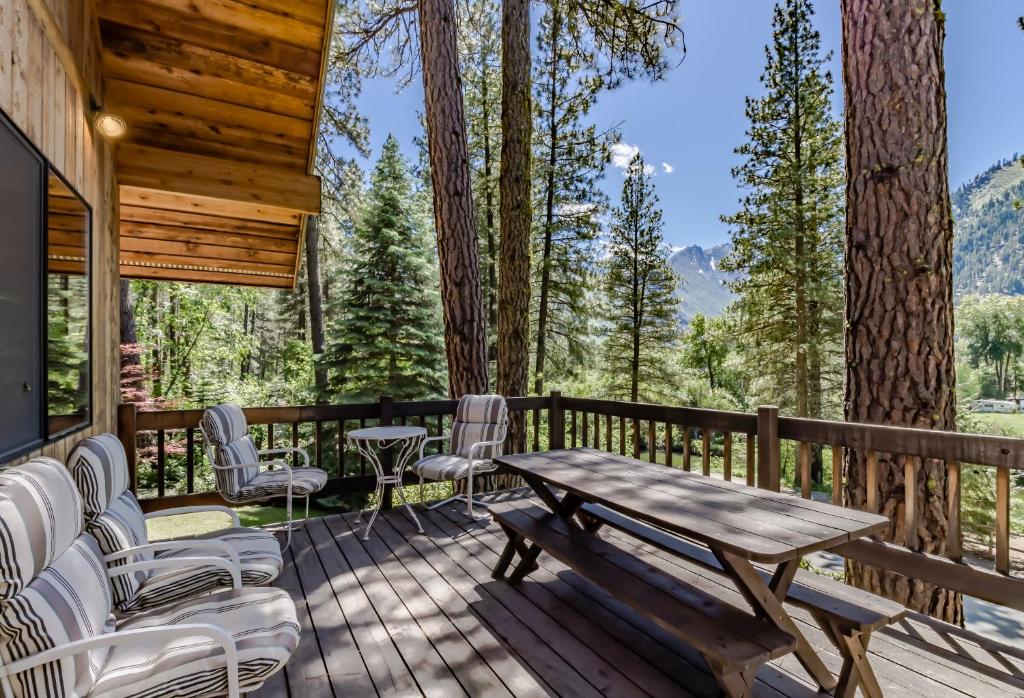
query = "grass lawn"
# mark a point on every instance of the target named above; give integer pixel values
(1005, 424)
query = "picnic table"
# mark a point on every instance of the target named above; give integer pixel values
(742, 526)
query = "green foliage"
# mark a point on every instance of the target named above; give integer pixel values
(706, 347)
(67, 390)
(787, 238)
(385, 337)
(639, 286)
(991, 333)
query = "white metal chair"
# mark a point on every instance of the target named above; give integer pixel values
(242, 476)
(114, 518)
(478, 432)
(59, 637)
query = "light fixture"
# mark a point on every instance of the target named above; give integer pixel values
(109, 125)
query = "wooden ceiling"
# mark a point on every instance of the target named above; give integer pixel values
(221, 99)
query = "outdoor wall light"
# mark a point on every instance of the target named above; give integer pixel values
(109, 125)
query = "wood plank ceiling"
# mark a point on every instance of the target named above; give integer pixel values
(221, 99)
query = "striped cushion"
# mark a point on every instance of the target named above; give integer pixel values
(258, 551)
(441, 467)
(100, 468)
(224, 424)
(122, 525)
(40, 515)
(274, 483)
(70, 600)
(239, 452)
(262, 621)
(478, 418)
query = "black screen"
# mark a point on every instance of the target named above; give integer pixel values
(21, 214)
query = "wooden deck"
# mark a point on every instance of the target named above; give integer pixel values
(407, 613)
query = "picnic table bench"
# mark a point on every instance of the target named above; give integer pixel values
(756, 537)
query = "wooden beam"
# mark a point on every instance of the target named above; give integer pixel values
(157, 259)
(206, 250)
(212, 178)
(161, 217)
(209, 275)
(228, 27)
(199, 236)
(185, 203)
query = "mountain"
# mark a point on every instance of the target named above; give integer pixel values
(701, 284)
(988, 241)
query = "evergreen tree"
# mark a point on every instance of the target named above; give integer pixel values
(639, 289)
(387, 338)
(704, 348)
(788, 237)
(568, 164)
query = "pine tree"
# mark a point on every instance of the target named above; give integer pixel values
(639, 290)
(569, 162)
(787, 238)
(387, 339)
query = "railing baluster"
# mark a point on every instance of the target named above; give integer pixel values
(270, 436)
(751, 474)
(872, 482)
(622, 436)
(190, 460)
(295, 444)
(687, 448)
(954, 535)
(160, 463)
(727, 455)
(910, 501)
(705, 451)
(652, 444)
(597, 430)
(586, 429)
(318, 437)
(536, 430)
(837, 475)
(668, 444)
(341, 448)
(636, 438)
(572, 427)
(1003, 520)
(362, 458)
(805, 469)
(608, 433)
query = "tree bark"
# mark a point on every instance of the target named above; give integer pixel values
(465, 330)
(316, 306)
(514, 208)
(899, 305)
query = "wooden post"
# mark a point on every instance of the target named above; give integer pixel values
(556, 422)
(769, 456)
(954, 539)
(1003, 520)
(387, 414)
(126, 413)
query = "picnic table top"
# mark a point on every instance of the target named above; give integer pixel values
(759, 525)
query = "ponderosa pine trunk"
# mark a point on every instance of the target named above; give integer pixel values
(514, 208)
(899, 301)
(316, 306)
(465, 330)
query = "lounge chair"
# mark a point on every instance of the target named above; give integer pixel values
(59, 637)
(242, 477)
(114, 518)
(477, 434)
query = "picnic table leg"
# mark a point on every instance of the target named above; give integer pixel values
(565, 508)
(765, 600)
(514, 540)
(734, 684)
(856, 671)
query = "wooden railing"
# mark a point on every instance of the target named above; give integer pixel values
(746, 446)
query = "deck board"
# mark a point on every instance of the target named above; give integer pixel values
(406, 613)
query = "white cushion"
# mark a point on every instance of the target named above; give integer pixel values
(441, 467)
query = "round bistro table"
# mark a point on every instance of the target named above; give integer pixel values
(371, 442)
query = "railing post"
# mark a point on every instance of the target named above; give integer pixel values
(769, 455)
(126, 431)
(556, 422)
(387, 414)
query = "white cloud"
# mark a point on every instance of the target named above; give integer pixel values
(667, 168)
(622, 154)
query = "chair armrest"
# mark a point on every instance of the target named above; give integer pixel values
(196, 510)
(283, 451)
(179, 562)
(424, 442)
(482, 444)
(262, 464)
(216, 547)
(219, 635)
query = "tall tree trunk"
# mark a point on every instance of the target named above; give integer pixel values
(514, 208)
(899, 300)
(465, 331)
(489, 223)
(316, 306)
(131, 361)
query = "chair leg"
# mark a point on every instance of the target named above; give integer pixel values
(307, 506)
(421, 489)
(469, 492)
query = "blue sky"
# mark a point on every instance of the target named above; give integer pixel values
(692, 120)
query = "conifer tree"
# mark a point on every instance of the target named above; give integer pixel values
(386, 338)
(569, 162)
(639, 284)
(788, 236)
